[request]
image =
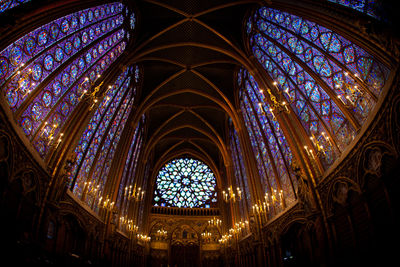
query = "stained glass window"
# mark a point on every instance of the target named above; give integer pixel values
(8, 4)
(330, 83)
(185, 183)
(47, 72)
(97, 145)
(240, 172)
(140, 221)
(368, 7)
(132, 20)
(272, 152)
(129, 189)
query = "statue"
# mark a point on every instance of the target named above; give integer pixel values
(341, 193)
(375, 161)
(304, 188)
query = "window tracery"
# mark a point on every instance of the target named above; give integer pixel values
(128, 190)
(97, 145)
(185, 183)
(272, 152)
(240, 172)
(46, 73)
(330, 83)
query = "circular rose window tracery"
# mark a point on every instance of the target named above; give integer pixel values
(185, 183)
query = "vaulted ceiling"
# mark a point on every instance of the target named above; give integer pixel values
(189, 52)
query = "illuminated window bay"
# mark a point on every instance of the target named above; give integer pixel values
(46, 73)
(185, 183)
(100, 137)
(240, 171)
(330, 83)
(270, 147)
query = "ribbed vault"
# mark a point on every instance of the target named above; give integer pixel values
(225, 82)
(189, 53)
(208, 132)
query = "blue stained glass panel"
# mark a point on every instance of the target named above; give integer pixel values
(54, 31)
(269, 143)
(16, 55)
(9, 4)
(48, 62)
(27, 125)
(76, 91)
(96, 128)
(47, 97)
(369, 7)
(42, 38)
(3, 67)
(321, 67)
(28, 61)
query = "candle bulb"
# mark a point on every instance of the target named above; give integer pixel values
(340, 97)
(308, 152)
(288, 95)
(312, 153)
(316, 143)
(349, 99)
(261, 108)
(58, 142)
(285, 105)
(312, 138)
(327, 138)
(83, 94)
(272, 113)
